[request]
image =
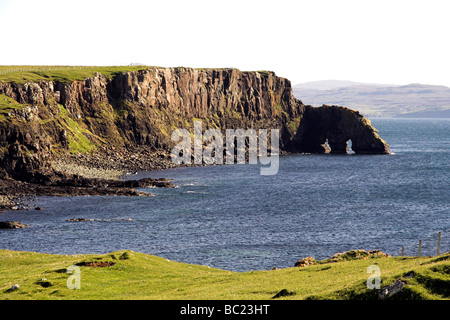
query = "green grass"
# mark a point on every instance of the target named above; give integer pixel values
(78, 142)
(65, 74)
(76, 133)
(294, 124)
(7, 105)
(135, 275)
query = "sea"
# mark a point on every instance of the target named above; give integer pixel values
(231, 217)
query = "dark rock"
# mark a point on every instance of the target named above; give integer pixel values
(283, 293)
(305, 262)
(13, 288)
(391, 289)
(141, 183)
(96, 264)
(44, 283)
(125, 256)
(11, 225)
(338, 125)
(78, 220)
(410, 274)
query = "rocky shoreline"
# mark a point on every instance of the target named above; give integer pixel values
(113, 163)
(99, 173)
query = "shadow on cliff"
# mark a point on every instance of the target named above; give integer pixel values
(329, 128)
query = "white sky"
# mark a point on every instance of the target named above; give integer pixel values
(394, 41)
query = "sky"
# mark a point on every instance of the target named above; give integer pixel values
(389, 42)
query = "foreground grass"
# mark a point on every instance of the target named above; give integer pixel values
(133, 275)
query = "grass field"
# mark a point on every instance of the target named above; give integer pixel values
(132, 275)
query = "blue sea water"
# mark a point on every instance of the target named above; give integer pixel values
(233, 218)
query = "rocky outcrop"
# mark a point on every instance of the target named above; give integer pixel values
(57, 185)
(141, 108)
(343, 256)
(337, 125)
(390, 290)
(11, 225)
(357, 254)
(305, 262)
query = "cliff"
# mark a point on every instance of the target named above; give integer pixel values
(43, 121)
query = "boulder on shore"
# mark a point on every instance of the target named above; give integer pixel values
(305, 262)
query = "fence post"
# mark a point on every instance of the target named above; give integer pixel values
(439, 244)
(420, 248)
(403, 251)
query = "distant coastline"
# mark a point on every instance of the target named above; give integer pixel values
(379, 100)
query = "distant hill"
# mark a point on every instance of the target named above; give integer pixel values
(335, 84)
(378, 100)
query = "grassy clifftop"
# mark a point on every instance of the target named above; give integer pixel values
(132, 275)
(65, 74)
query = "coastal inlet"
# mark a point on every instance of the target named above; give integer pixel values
(233, 218)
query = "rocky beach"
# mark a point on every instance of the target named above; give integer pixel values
(88, 174)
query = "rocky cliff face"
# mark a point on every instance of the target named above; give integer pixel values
(45, 120)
